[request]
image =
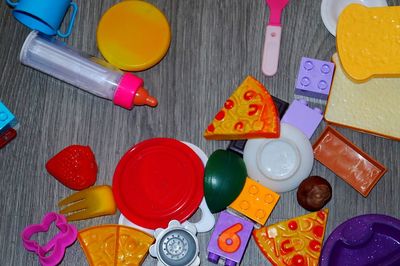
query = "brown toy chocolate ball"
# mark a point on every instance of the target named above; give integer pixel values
(314, 193)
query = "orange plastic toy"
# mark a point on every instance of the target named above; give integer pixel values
(249, 113)
(109, 245)
(255, 201)
(296, 242)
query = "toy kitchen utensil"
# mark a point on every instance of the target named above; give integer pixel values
(272, 41)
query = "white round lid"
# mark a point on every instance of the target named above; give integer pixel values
(280, 164)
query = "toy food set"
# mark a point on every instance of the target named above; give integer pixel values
(88, 203)
(371, 107)
(75, 167)
(348, 161)
(255, 201)
(301, 116)
(133, 35)
(297, 241)
(371, 239)
(314, 78)
(229, 239)
(224, 178)
(45, 16)
(53, 251)
(273, 33)
(314, 193)
(331, 9)
(280, 164)
(248, 113)
(8, 125)
(176, 245)
(93, 75)
(114, 245)
(367, 41)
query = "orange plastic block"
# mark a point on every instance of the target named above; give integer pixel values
(297, 241)
(250, 112)
(109, 245)
(255, 201)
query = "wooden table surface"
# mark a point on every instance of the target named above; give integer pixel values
(215, 45)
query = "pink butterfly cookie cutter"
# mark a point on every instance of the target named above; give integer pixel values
(52, 252)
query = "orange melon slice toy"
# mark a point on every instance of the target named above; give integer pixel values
(109, 245)
(249, 112)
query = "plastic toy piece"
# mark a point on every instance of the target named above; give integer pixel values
(348, 161)
(371, 239)
(303, 117)
(7, 137)
(297, 241)
(176, 245)
(74, 166)
(52, 252)
(249, 113)
(314, 193)
(114, 245)
(133, 35)
(229, 239)
(371, 107)
(7, 119)
(314, 78)
(368, 41)
(89, 203)
(255, 201)
(273, 37)
(263, 158)
(224, 178)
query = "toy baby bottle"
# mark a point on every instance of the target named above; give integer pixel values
(93, 75)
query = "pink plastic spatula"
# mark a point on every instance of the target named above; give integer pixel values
(273, 37)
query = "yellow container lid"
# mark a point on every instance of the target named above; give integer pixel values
(133, 35)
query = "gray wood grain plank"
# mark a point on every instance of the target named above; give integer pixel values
(215, 45)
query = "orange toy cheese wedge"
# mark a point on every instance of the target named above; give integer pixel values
(297, 241)
(109, 245)
(249, 113)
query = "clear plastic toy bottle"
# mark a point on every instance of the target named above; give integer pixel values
(93, 75)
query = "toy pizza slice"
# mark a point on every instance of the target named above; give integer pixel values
(114, 245)
(249, 113)
(297, 241)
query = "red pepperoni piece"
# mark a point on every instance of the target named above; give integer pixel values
(253, 109)
(298, 260)
(321, 215)
(211, 128)
(239, 126)
(285, 248)
(315, 245)
(318, 231)
(229, 104)
(292, 225)
(249, 95)
(220, 115)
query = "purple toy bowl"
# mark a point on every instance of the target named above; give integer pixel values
(371, 239)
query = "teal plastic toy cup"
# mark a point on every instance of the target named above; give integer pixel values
(44, 16)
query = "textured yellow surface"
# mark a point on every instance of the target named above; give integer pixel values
(255, 201)
(373, 106)
(368, 41)
(133, 35)
(114, 245)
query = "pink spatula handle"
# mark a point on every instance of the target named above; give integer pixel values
(271, 50)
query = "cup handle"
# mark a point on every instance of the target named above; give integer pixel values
(13, 4)
(71, 23)
(207, 220)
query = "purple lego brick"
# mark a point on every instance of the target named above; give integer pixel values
(314, 78)
(303, 117)
(234, 234)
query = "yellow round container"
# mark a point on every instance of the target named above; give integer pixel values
(133, 35)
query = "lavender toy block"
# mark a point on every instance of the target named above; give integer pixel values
(303, 117)
(229, 239)
(7, 119)
(314, 78)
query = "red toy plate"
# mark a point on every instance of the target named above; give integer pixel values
(158, 180)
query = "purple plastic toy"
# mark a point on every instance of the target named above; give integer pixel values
(371, 239)
(53, 252)
(303, 117)
(229, 239)
(314, 78)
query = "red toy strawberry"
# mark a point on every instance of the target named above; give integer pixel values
(75, 167)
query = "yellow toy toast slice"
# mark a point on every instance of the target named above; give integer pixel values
(248, 113)
(368, 41)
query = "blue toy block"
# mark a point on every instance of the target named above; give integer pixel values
(7, 119)
(303, 117)
(314, 78)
